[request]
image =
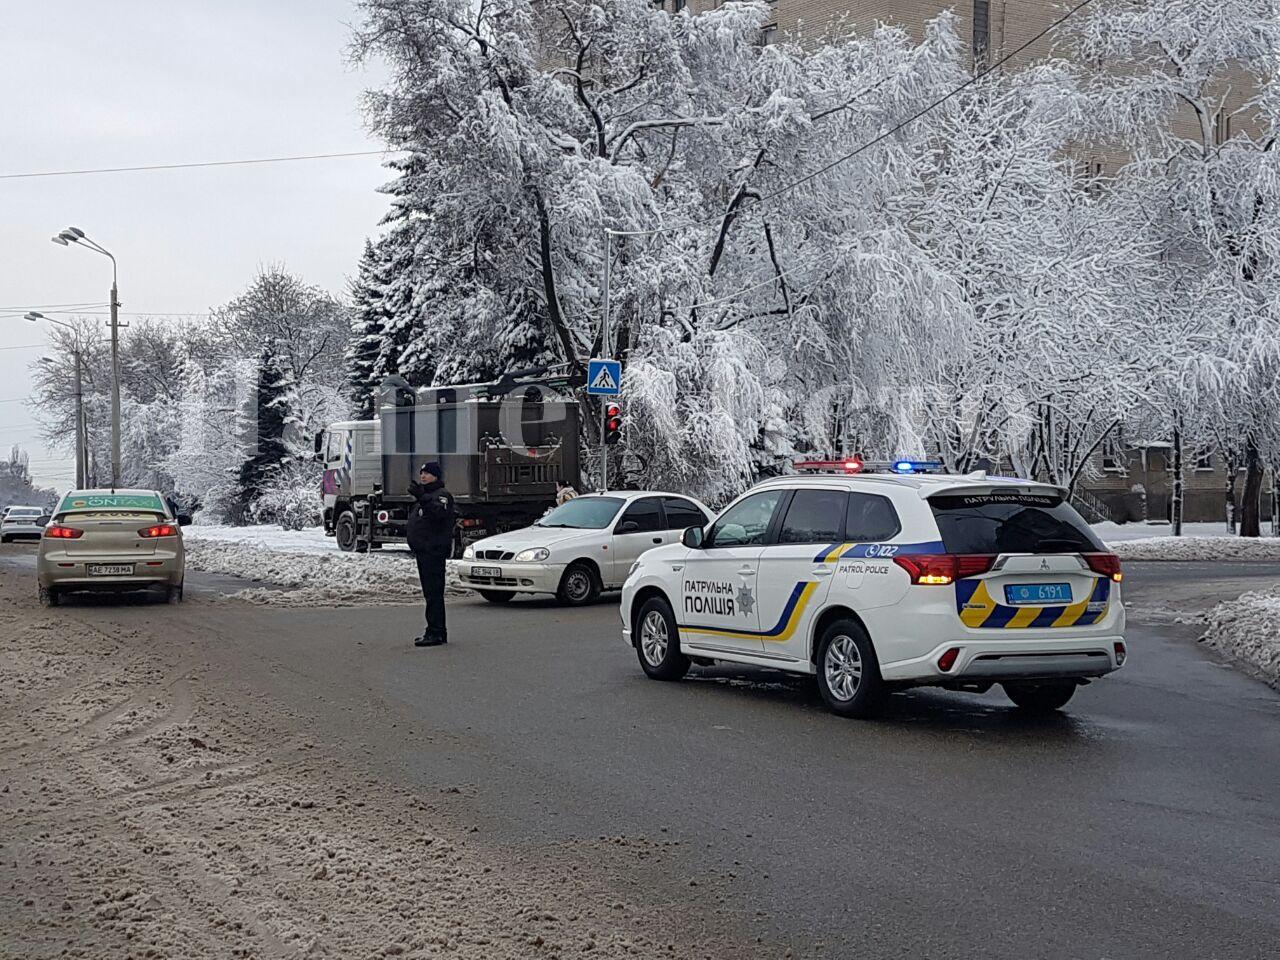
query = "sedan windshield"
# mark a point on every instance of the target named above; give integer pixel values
(583, 513)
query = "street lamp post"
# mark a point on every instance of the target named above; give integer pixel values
(77, 236)
(82, 439)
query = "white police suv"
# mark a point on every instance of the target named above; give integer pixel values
(877, 581)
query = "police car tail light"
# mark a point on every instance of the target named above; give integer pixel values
(940, 569)
(948, 659)
(1107, 564)
(1121, 654)
(63, 533)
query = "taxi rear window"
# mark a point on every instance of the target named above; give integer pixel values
(1012, 523)
(111, 503)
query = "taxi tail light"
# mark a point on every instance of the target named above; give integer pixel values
(159, 530)
(940, 569)
(948, 659)
(59, 532)
(1107, 564)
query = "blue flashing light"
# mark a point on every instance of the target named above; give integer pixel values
(904, 466)
(916, 466)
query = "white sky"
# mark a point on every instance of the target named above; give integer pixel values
(131, 82)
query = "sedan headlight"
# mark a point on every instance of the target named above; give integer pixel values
(533, 555)
(469, 552)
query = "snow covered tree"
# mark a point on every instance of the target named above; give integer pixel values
(368, 332)
(265, 428)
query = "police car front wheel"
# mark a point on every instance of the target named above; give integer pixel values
(658, 643)
(848, 670)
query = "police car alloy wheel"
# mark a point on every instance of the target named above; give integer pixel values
(1041, 697)
(579, 585)
(848, 671)
(658, 643)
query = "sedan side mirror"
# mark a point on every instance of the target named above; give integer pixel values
(693, 538)
(628, 526)
(184, 519)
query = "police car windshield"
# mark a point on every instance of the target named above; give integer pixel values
(583, 513)
(1012, 523)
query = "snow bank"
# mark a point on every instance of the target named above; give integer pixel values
(1111, 532)
(1248, 630)
(300, 576)
(1198, 548)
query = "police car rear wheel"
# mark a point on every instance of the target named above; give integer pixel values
(848, 671)
(657, 642)
(1043, 697)
(579, 585)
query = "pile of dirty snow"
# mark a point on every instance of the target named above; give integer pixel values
(1248, 630)
(1198, 548)
(308, 577)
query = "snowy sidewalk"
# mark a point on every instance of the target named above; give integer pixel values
(1200, 541)
(1248, 630)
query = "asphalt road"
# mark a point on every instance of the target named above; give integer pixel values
(1142, 822)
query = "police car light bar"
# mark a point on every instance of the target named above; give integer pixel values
(858, 465)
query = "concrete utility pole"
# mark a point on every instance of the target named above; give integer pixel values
(76, 235)
(82, 439)
(606, 349)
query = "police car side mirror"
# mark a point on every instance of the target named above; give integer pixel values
(693, 538)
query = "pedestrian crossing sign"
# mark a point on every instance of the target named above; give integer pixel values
(604, 377)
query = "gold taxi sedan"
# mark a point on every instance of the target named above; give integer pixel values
(113, 541)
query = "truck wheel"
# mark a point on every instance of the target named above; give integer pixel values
(579, 585)
(1042, 697)
(849, 671)
(497, 596)
(658, 642)
(344, 531)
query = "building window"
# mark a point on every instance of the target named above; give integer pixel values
(1112, 456)
(1221, 128)
(768, 34)
(1204, 460)
(981, 33)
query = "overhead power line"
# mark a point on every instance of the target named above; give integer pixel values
(24, 346)
(870, 143)
(188, 166)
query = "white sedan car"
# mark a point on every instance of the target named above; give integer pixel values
(21, 523)
(580, 548)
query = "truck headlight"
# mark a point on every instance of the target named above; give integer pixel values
(469, 552)
(532, 555)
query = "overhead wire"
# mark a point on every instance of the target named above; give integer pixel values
(787, 188)
(188, 166)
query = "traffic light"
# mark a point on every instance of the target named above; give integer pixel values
(612, 423)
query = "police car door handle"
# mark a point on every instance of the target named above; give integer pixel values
(746, 570)
(822, 572)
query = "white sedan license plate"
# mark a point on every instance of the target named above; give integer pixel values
(486, 571)
(111, 569)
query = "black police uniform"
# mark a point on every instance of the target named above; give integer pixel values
(431, 539)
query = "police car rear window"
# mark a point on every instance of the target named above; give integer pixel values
(1011, 523)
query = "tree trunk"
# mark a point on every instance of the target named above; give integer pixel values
(1251, 508)
(1178, 477)
(1233, 473)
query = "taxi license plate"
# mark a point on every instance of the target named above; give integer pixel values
(111, 569)
(1026, 593)
(486, 571)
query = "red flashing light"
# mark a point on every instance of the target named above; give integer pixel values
(63, 533)
(159, 530)
(940, 569)
(848, 465)
(948, 659)
(1107, 564)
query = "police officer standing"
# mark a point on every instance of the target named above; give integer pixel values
(431, 539)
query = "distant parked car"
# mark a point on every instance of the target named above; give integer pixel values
(22, 523)
(112, 540)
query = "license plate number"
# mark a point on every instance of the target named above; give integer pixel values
(111, 569)
(1024, 593)
(486, 571)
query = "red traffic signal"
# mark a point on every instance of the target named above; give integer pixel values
(612, 423)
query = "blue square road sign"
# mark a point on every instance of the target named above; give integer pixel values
(604, 377)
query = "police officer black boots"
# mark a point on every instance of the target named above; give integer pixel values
(430, 529)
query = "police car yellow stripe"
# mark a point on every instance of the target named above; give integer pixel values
(781, 632)
(977, 608)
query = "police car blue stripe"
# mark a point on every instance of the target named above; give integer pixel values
(1045, 618)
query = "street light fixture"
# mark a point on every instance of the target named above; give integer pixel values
(82, 439)
(74, 235)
